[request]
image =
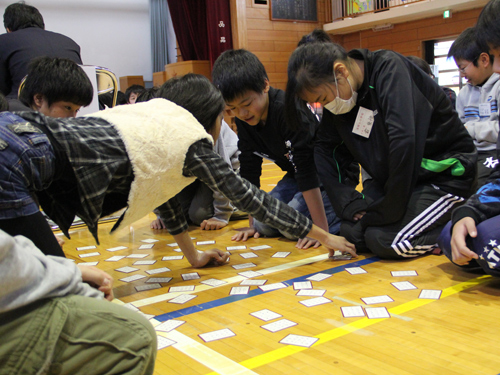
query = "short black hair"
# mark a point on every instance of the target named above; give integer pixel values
(20, 16)
(488, 24)
(421, 63)
(468, 47)
(196, 94)
(238, 71)
(57, 80)
(137, 89)
(4, 105)
(148, 94)
(315, 36)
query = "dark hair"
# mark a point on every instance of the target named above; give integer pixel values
(468, 47)
(238, 71)
(488, 24)
(421, 63)
(19, 16)
(120, 98)
(315, 36)
(4, 105)
(137, 89)
(196, 94)
(56, 79)
(148, 94)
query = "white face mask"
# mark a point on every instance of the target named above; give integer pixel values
(339, 106)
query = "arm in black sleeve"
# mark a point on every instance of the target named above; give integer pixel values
(172, 216)
(250, 164)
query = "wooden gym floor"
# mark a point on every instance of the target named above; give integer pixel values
(454, 334)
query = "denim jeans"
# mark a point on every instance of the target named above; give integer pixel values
(287, 191)
(27, 164)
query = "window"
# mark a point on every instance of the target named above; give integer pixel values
(448, 74)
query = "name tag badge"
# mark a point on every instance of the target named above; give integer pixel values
(364, 122)
(484, 109)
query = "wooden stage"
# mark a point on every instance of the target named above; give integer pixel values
(454, 334)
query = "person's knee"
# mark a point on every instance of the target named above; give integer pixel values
(381, 246)
(198, 214)
(265, 230)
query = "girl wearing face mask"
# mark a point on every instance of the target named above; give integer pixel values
(384, 113)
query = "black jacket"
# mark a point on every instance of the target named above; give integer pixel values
(413, 122)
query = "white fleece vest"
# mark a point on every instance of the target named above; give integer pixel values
(157, 135)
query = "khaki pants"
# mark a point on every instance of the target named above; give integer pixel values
(76, 335)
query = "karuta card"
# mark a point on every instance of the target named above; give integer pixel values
(186, 288)
(159, 280)
(377, 312)
(260, 247)
(249, 255)
(130, 307)
(144, 263)
(157, 270)
(403, 273)
(281, 254)
(129, 279)
(240, 247)
(352, 311)
(243, 265)
(211, 242)
(182, 298)
(173, 257)
(239, 290)
(278, 325)
(89, 255)
(269, 287)
(190, 276)
(127, 269)
(213, 282)
(403, 285)
(315, 301)
(266, 315)
(249, 274)
(217, 335)
(149, 240)
(142, 288)
(177, 250)
(297, 285)
(86, 248)
(117, 248)
(173, 244)
(297, 340)
(163, 342)
(137, 256)
(147, 246)
(253, 282)
(430, 294)
(319, 277)
(311, 292)
(88, 264)
(376, 299)
(355, 270)
(169, 325)
(115, 258)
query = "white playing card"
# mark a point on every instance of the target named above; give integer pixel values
(253, 282)
(311, 292)
(86, 248)
(142, 288)
(352, 311)
(173, 244)
(89, 255)
(404, 285)
(297, 285)
(130, 307)
(297, 340)
(240, 247)
(249, 274)
(144, 263)
(266, 315)
(260, 247)
(211, 242)
(177, 250)
(117, 248)
(281, 254)
(244, 265)
(319, 277)
(249, 255)
(159, 280)
(217, 335)
(88, 264)
(355, 270)
(278, 325)
(173, 257)
(430, 294)
(239, 290)
(115, 258)
(268, 287)
(163, 342)
(169, 325)
(145, 247)
(213, 282)
(129, 279)
(127, 269)
(157, 270)
(403, 273)
(377, 299)
(186, 288)
(190, 276)
(182, 298)
(149, 240)
(315, 301)
(137, 256)
(377, 312)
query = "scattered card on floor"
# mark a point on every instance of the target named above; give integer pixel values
(403, 273)
(149, 240)
(145, 247)
(89, 255)
(185, 288)
(339, 256)
(260, 247)
(115, 258)
(266, 315)
(250, 274)
(239, 247)
(355, 270)
(249, 255)
(157, 270)
(217, 335)
(173, 244)
(311, 292)
(142, 288)
(129, 279)
(137, 256)
(403, 285)
(253, 282)
(352, 311)
(268, 287)
(159, 280)
(297, 340)
(130, 307)
(88, 264)
(281, 254)
(297, 285)
(144, 263)
(376, 299)
(118, 248)
(173, 257)
(163, 342)
(278, 325)
(211, 242)
(213, 282)
(190, 276)
(430, 294)
(315, 301)
(86, 248)
(239, 290)
(377, 312)
(243, 265)
(169, 325)
(127, 269)
(182, 298)
(319, 277)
